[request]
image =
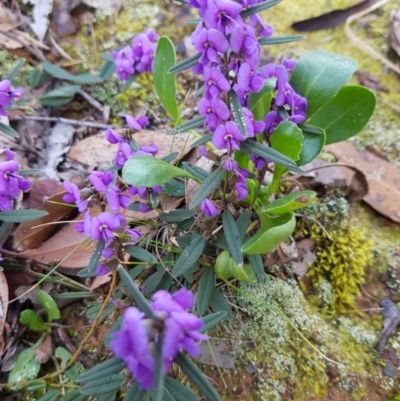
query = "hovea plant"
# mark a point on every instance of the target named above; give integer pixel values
(254, 119)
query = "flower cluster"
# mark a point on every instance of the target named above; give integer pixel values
(7, 94)
(111, 223)
(137, 58)
(134, 343)
(11, 183)
(230, 57)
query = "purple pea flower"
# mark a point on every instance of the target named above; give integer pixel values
(215, 82)
(271, 120)
(85, 226)
(261, 28)
(131, 344)
(134, 235)
(231, 165)
(103, 226)
(102, 270)
(259, 162)
(289, 64)
(74, 196)
(215, 110)
(136, 124)
(7, 154)
(101, 180)
(143, 208)
(141, 45)
(210, 43)
(222, 15)
(141, 191)
(208, 208)
(243, 38)
(151, 149)
(228, 136)
(153, 37)
(248, 77)
(115, 199)
(252, 127)
(107, 253)
(10, 182)
(281, 75)
(6, 94)
(113, 137)
(5, 203)
(298, 105)
(124, 63)
(124, 153)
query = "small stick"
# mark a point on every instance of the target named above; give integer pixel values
(66, 121)
(59, 48)
(90, 100)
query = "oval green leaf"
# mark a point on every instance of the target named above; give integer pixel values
(190, 255)
(273, 231)
(312, 146)
(49, 304)
(33, 320)
(291, 202)
(346, 114)
(25, 368)
(204, 291)
(319, 75)
(19, 216)
(147, 171)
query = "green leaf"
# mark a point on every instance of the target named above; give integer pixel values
(191, 21)
(109, 367)
(237, 112)
(190, 255)
(158, 385)
(279, 40)
(62, 353)
(14, 72)
(260, 7)
(60, 73)
(139, 253)
(19, 216)
(52, 395)
(170, 157)
(30, 171)
(49, 304)
(136, 294)
(288, 140)
(96, 255)
(60, 96)
(243, 223)
(219, 304)
(232, 236)
(319, 75)
(103, 385)
(185, 64)
(108, 397)
(175, 216)
(36, 385)
(176, 188)
(25, 368)
(74, 395)
(107, 70)
(36, 77)
(203, 140)
(76, 295)
(196, 171)
(273, 231)
(164, 82)
(222, 265)
(128, 83)
(312, 146)
(204, 291)
(188, 125)
(151, 282)
(226, 268)
(33, 320)
(179, 391)
(197, 377)
(251, 147)
(291, 202)
(6, 129)
(258, 267)
(211, 183)
(134, 393)
(147, 171)
(346, 114)
(259, 102)
(212, 319)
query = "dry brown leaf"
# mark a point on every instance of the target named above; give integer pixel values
(7, 23)
(96, 151)
(27, 237)
(306, 257)
(3, 302)
(44, 351)
(383, 178)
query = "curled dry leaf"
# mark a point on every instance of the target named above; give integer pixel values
(44, 351)
(383, 178)
(96, 151)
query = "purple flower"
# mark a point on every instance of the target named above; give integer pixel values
(153, 37)
(85, 226)
(242, 191)
(141, 45)
(252, 127)
(208, 208)
(141, 191)
(231, 165)
(243, 38)
(210, 43)
(101, 180)
(262, 29)
(115, 200)
(5, 203)
(107, 253)
(7, 154)
(134, 235)
(113, 137)
(6, 94)
(136, 124)
(222, 14)
(215, 82)
(131, 344)
(248, 77)
(215, 111)
(281, 75)
(259, 162)
(103, 226)
(124, 63)
(271, 120)
(74, 196)
(289, 64)
(150, 149)
(179, 301)
(298, 106)
(102, 270)
(228, 136)
(143, 208)
(124, 153)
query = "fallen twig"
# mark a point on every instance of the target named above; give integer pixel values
(66, 121)
(90, 100)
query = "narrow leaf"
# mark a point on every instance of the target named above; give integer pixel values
(197, 377)
(308, 129)
(196, 171)
(14, 72)
(134, 393)
(30, 171)
(170, 157)
(107, 70)
(185, 64)
(204, 291)
(291, 202)
(96, 255)
(243, 223)
(19, 216)
(164, 82)
(232, 236)
(60, 96)
(193, 21)
(139, 253)
(260, 7)
(211, 183)
(6, 129)
(219, 304)
(174, 216)
(179, 391)
(108, 397)
(279, 40)
(109, 367)
(258, 267)
(147, 171)
(52, 395)
(190, 255)
(211, 320)
(203, 140)
(128, 83)
(188, 125)
(158, 385)
(136, 294)
(237, 111)
(77, 295)
(60, 73)
(74, 395)
(103, 385)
